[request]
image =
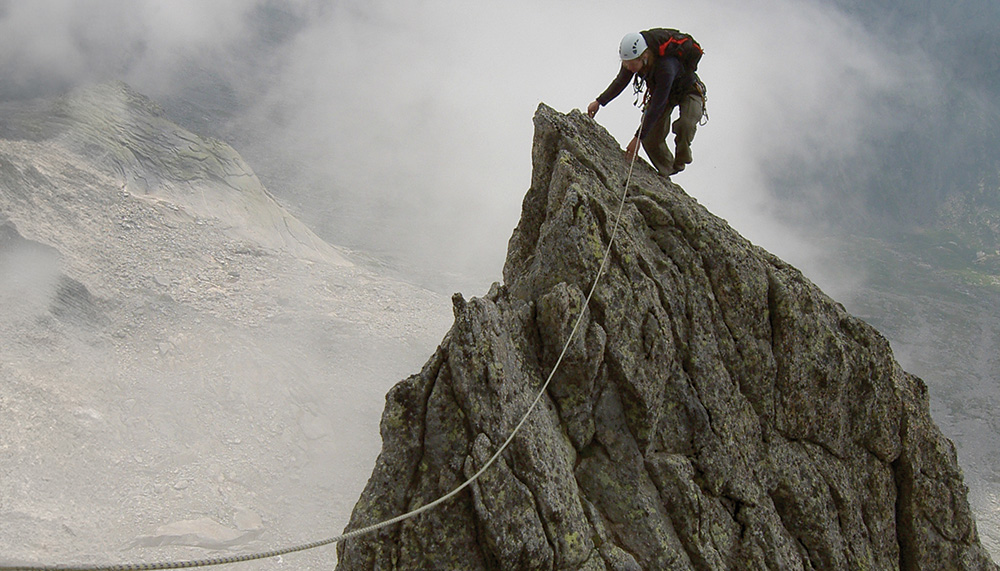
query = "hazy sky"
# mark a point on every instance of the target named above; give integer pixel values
(405, 127)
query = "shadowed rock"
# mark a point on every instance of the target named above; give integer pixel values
(32, 284)
(715, 411)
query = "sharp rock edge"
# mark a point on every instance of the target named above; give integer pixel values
(715, 411)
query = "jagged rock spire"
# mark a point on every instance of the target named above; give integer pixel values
(715, 411)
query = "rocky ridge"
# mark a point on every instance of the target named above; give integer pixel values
(716, 411)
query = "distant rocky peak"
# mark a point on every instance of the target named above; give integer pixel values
(127, 134)
(112, 122)
(715, 409)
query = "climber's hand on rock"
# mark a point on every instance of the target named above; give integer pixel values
(632, 148)
(592, 108)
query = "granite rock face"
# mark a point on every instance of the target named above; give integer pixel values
(715, 409)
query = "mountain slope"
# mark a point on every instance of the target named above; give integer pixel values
(716, 411)
(182, 363)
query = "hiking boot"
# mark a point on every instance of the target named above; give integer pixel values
(683, 157)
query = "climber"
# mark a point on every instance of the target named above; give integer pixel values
(666, 61)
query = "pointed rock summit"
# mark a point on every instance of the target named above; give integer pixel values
(715, 410)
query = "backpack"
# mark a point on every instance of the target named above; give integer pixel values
(673, 43)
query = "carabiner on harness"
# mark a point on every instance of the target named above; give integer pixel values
(703, 91)
(639, 86)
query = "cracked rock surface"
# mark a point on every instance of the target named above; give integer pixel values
(715, 409)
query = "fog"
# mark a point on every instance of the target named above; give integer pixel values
(28, 280)
(403, 130)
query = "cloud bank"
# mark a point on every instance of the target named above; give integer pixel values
(405, 129)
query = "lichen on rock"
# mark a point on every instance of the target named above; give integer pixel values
(715, 409)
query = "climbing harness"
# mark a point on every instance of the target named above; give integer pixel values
(375, 527)
(642, 96)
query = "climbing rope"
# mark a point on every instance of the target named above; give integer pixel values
(375, 527)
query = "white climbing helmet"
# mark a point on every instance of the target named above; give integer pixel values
(633, 44)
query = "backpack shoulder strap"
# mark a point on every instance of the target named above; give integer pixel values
(674, 43)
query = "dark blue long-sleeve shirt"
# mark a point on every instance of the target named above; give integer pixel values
(666, 78)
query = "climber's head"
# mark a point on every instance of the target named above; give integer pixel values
(632, 50)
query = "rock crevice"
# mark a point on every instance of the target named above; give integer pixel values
(714, 410)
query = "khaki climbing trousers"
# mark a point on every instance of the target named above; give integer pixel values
(684, 129)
